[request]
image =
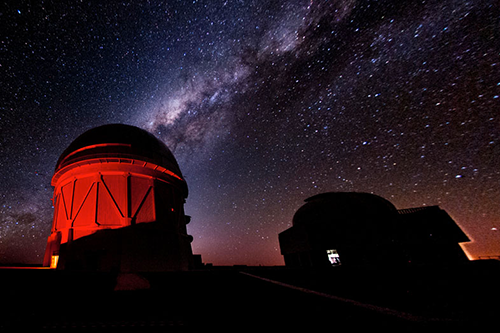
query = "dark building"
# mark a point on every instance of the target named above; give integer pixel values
(118, 204)
(351, 228)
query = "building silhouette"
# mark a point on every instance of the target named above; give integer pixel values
(118, 204)
(354, 229)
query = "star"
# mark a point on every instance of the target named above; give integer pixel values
(263, 105)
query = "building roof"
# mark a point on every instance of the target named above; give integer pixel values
(431, 221)
(122, 141)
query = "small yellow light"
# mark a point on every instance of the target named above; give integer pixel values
(53, 261)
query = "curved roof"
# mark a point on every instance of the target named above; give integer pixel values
(343, 206)
(119, 140)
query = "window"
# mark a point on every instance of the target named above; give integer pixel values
(333, 257)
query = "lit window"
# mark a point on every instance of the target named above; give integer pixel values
(53, 261)
(333, 257)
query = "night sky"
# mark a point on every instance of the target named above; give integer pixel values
(263, 103)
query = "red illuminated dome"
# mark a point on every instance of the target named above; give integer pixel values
(119, 141)
(119, 189)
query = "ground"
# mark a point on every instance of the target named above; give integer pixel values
(251, 298)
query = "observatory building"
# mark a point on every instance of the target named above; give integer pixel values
(357, 229)
(118, 205)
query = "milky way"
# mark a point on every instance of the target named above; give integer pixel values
(263, 104)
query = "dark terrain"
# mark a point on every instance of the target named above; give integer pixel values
(234, 299)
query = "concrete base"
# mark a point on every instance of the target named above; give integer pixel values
(145, 247)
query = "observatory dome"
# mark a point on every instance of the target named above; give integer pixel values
(118, 140)
(339, 207)
(118, 204)
(353, 228)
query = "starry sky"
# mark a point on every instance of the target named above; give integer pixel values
(263, 103)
